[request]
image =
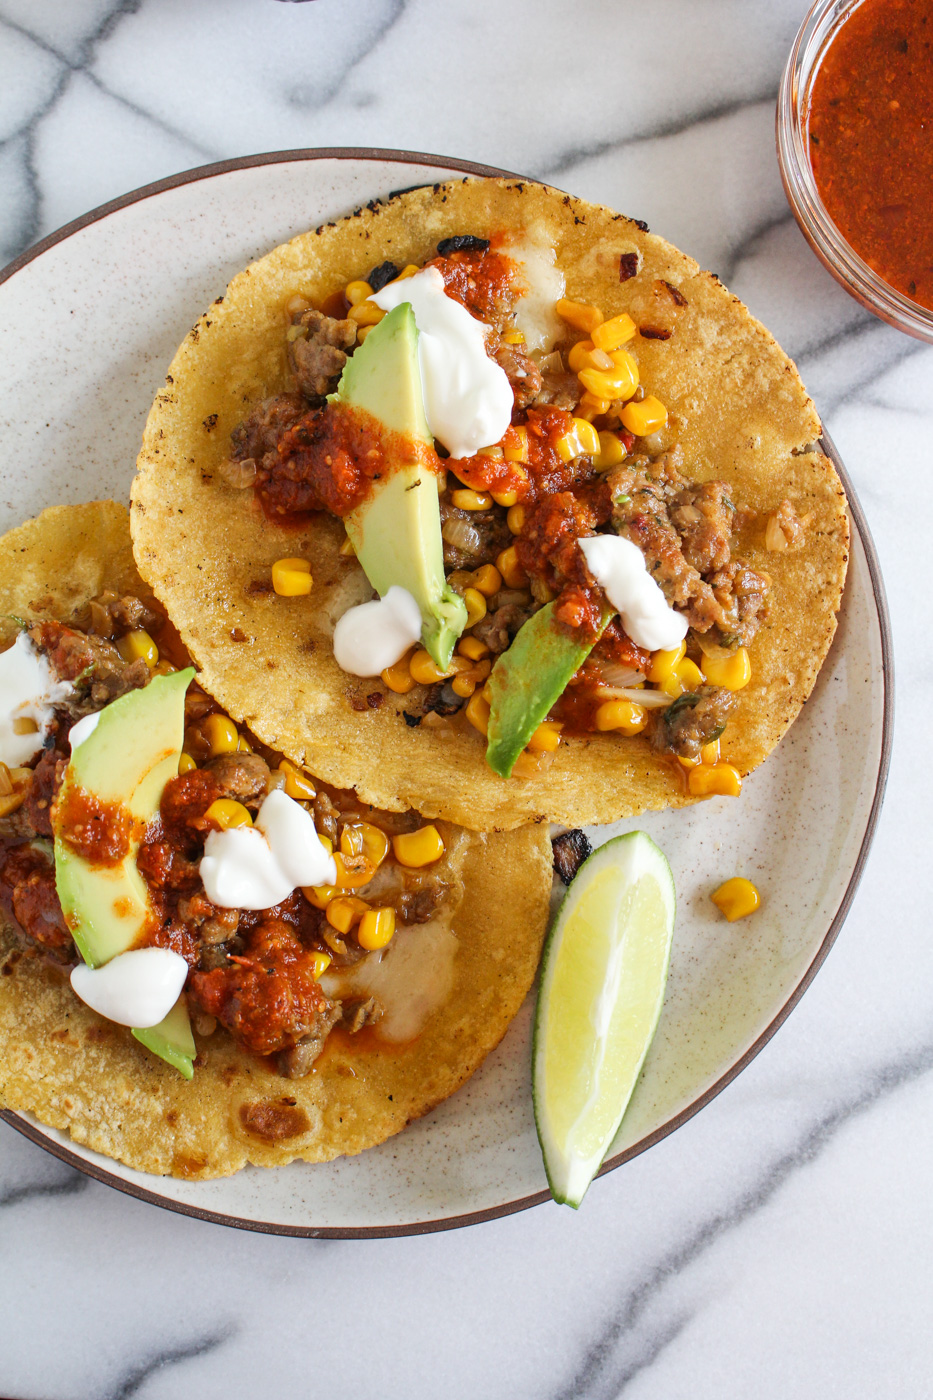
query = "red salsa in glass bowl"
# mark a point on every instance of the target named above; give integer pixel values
(855, 147)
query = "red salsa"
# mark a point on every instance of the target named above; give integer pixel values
(871, 140)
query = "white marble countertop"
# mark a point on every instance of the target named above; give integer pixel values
(778, 1244)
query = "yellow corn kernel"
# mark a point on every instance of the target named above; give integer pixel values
(509, 496)
(618, 330)
(297, 783)
(689, 674)
(351, 840)
(291, 578)
(471, 500)
(353, 871)
(320, 962)
(737, 898)
(475, 606)
(664, 662)
(585, 355)
(530, 765)
(603, 384)
(407, 272)
(418, 848)
(138, 646)
(227, 813)
(477, 712)
(625, 370)
(472, 647)
(362, 333)
(375, 843)
(463, 686)
(546, 737)
(514, 338)
(164, 668)
(186, 763)
(588, 436)
(345, 911)
(366, 313)
(579, 314)
(355, 292)
(399, 677)
(687, 762)
(221, 733)
(721, 780)
(243, 745)
(591, 407)
(516, 449)
(375, 929)
(621, 714)
(494, 452)
(347, 549)
(611, 452)
(710, 753)
(487, 580)
(645, 417)
(320, 895)
(516, 519)
(423, 669)
(326, 842)
(511, 570)
(734, 672)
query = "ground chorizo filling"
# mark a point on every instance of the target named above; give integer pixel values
(255, 973)
(587, 451)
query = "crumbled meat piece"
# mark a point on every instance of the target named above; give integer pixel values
(185, 800)
(318, 355)
(742, 595)
(296, 1062)
(702, 516)
(784, 529)
(522, 373)
(27, 879)
(559, 389)
(256, 438)
(165, 867)
(420, 905)
(110, 615)
(472, 537)
(693, 720)
(242, 776)
(214, 925)
(90, 661)
(197, 704)
(326, 816)
(357, 1014)
(46, 780)
(570, 849)
(442, 700)
(497, 629)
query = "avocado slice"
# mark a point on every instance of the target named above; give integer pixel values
(172, 1040)
(526, 681)
(126, 760)
(397, 532)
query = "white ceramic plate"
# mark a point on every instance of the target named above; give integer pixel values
(88, 323)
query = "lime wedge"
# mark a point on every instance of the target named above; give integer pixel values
(602, 988)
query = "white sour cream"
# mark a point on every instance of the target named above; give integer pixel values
(544, 285)
(372, 636)
(619, 567)
(254, 867)
(83, 729)
(467, 396)
(29, 691)
(138, 988)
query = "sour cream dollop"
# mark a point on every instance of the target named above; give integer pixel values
(619, 567)
(29, 690)
(372, 636)
(83, 729)
(467, 396)
(137, 988)
(254, 867)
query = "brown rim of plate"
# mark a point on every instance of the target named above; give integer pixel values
(35, 1133)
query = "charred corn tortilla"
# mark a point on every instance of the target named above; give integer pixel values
(739, 411)
(80, 1073)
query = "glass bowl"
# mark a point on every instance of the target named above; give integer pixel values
(817, 32)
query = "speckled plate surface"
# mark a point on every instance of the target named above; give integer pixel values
(88, 322)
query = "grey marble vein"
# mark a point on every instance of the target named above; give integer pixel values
(135, 1379)
(604, 1373)
(308, 97)
(73, 1185)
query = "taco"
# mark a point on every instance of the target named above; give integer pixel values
(315, 1027)
(625, 590)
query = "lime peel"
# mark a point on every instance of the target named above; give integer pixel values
(602, 988)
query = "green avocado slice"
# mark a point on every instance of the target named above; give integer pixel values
(172, 1040)
(125, 762)
(526, 681)
(397, 532)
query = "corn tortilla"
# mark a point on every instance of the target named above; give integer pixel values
(740, 413)
(77, 1072)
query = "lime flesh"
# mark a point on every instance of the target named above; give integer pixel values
(602, 988)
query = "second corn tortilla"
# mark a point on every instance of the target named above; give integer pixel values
(742, 415)
(77, 1072)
